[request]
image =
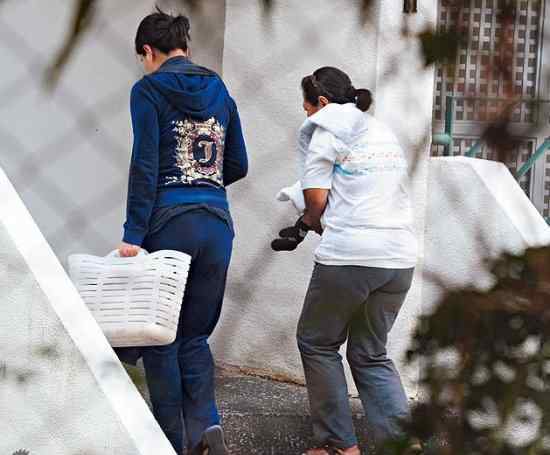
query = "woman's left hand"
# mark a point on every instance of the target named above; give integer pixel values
(127, 250)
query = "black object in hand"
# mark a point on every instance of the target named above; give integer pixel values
(291, 237)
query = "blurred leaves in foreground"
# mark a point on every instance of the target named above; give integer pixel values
(82, 19)
(85, 13)
(440, 46)
(484, 362)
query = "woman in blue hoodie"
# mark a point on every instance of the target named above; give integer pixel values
(188, 147)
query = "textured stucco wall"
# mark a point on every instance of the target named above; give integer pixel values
(67, 151)
(264, 62)
(62, 389)
(476, 210)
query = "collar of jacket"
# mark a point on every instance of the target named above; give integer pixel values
(181, 64)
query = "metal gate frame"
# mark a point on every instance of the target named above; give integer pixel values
(449, 131)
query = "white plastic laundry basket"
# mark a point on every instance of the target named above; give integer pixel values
(137, 300)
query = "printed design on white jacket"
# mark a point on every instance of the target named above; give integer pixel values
(199, 152)
(370, 155)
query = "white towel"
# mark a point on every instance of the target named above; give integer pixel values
(295, 195)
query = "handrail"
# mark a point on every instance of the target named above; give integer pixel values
(472, 151)
(534, 157)
(446, 138)
(449, 114)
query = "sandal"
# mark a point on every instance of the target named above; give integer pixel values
(415, 448)
(333, 451)
(318, 451)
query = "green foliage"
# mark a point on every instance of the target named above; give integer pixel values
(137, 376)
(485, 364)
(82, 19)
(440, 46)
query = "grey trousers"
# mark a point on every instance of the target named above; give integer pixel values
(360, 305)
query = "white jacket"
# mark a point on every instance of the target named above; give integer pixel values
(368, 220)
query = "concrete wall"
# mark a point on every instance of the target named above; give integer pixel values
(475, 211)
(62, 389)
(67, 151)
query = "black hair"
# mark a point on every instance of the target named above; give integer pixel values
(336, 86)
(163, 31)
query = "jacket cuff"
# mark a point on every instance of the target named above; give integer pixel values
(316, 183)
(133, 236)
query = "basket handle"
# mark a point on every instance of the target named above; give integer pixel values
(115, 253)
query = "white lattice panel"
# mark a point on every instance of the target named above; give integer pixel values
(474, 73)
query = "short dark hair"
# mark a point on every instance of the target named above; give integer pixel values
(163, 31)
(336, 86)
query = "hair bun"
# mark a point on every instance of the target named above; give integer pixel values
(351, 93)
(180, 19)
(163, 31)
(183, 25)
(363, 99)
(336, 87)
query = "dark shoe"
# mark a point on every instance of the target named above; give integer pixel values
(213, 442)
(333, 451)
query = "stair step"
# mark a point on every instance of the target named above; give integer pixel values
(261, 416)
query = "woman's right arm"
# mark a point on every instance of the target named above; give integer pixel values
(143, 176)
(318, 175)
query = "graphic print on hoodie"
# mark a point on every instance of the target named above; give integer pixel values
(188, 143)
(200, 147)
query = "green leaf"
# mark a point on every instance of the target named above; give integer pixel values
(440, 46)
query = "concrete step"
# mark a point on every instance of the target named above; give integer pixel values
(261, 416)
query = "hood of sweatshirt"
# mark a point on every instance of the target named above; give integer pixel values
(189, 88)
(344, 121)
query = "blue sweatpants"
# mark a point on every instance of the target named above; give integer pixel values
(180, 376)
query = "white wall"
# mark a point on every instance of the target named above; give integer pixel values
(68, 151)
(62, 389)
(476, 211)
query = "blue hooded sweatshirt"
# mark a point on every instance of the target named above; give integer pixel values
(188, 143)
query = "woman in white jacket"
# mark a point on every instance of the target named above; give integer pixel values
(355, 184)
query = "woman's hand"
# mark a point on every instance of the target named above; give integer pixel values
(291, 237)
(127, 250)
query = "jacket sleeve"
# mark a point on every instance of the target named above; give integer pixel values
(143, 176)
(320, 161)
(235, 160)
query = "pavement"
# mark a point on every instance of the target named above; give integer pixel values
(264, 416)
